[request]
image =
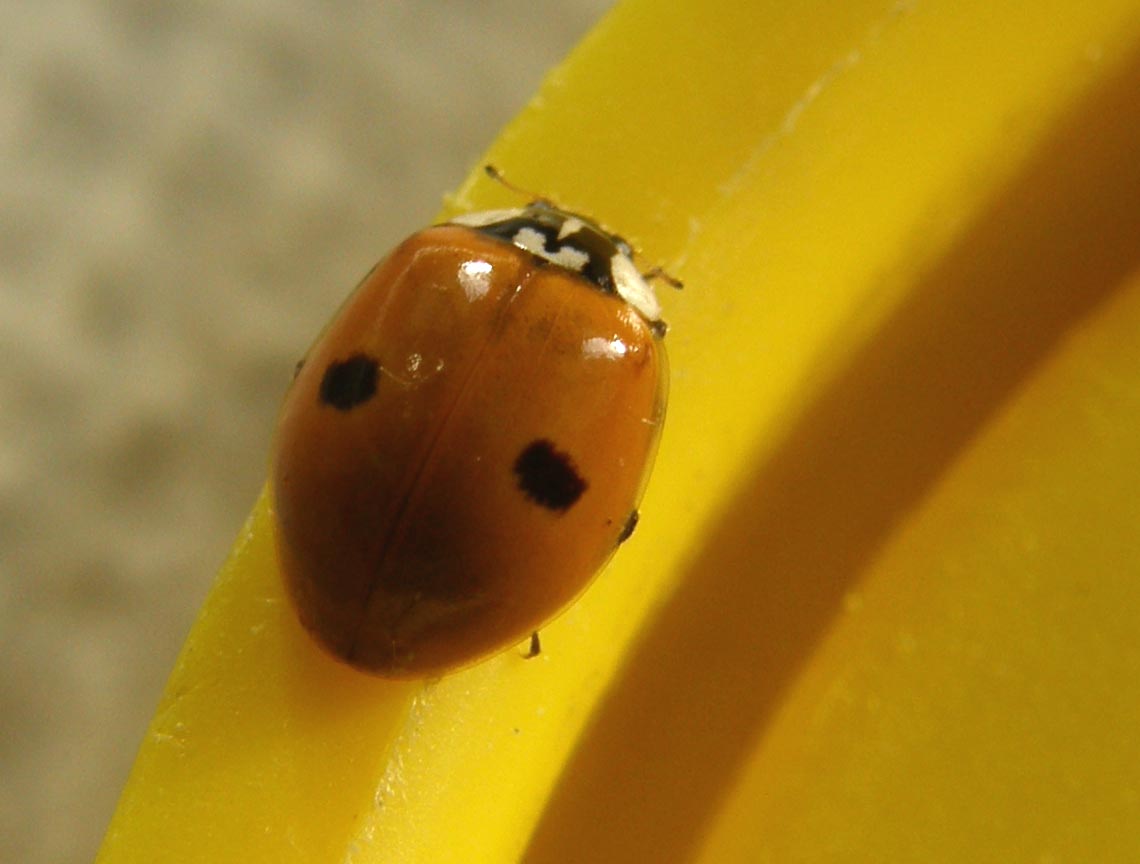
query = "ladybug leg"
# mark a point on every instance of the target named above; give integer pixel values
(535, 647)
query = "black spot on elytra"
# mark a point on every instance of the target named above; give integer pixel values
(627, 529)
(351, 382)
(548, 476)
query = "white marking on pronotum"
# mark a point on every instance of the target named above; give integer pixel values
(565, 256)
(633, 289)
(628, 282)
(572, 225)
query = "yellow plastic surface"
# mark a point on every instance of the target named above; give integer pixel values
(882, 603)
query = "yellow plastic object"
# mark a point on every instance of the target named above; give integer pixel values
(881, 604)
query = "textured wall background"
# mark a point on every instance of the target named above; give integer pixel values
(187, 190)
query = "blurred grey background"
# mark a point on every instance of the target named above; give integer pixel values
(187, 191)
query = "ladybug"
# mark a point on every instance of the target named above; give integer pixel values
(466, 444)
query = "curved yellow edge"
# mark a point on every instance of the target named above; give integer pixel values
(881, 602)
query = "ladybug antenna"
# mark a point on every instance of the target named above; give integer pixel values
(664, 275)
(498, 176)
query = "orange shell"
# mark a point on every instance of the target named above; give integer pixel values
(461, 451)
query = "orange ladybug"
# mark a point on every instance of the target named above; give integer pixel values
(466, 444)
